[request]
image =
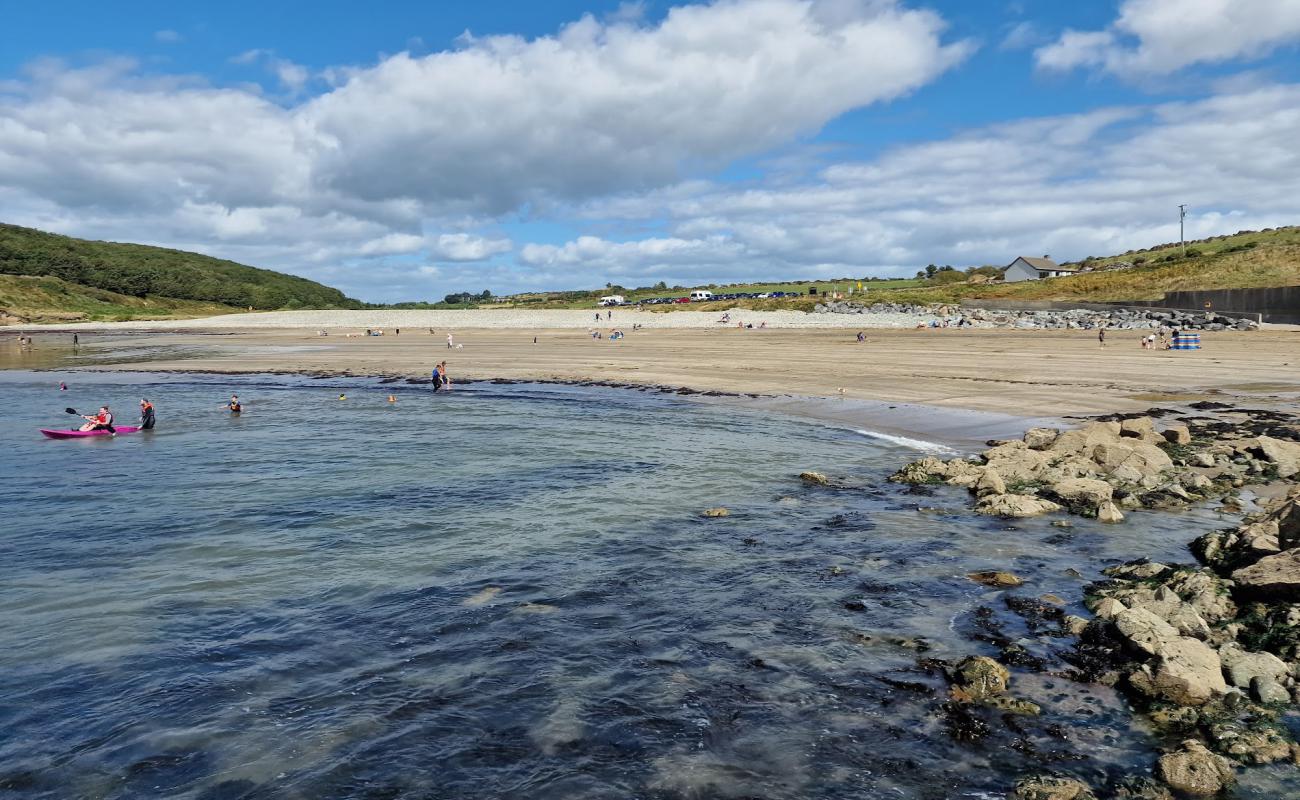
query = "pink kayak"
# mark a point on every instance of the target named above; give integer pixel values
(82, 434)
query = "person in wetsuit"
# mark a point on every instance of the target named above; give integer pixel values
(146, 415)
(103, 421)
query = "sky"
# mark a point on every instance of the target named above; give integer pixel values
(406, 150)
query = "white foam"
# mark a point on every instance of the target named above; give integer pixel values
(906, 441)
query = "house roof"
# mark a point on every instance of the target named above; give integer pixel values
(1046, 263)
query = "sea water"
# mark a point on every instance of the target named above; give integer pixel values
(510, 591)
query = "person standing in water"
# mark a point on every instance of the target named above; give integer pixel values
(146, 415)
(446, 379)
(234, 405)
(437, 377)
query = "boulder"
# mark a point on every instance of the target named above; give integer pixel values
(1187, 672)
(1275, 577)
(1051, 787)
(1260, 744)
(1109, 608)
(818, 479)
(981, 678)
(997, 579)
(1195, 770)
(1179, 434)
(1015, 462)
(1283, 455)
(1243, 667)
(1140, 428)
(1015, 505)
(1137, 458)
(1268, 690)
(990, 482)
(1040, 438)
(1086, 493)
(1144, 631)
(1109, 512)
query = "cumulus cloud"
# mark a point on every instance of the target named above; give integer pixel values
(1072, 186)
(467, 247)
(168, 37)
(1156, 37)
(499, 125)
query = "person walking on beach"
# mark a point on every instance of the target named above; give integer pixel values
(1101, 336)
(75, 340)
(451, 342)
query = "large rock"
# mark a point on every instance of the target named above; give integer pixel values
(1015, 462)
(1040, 438)
(1179, 434)
(1272, 577)
(1145, 631)
(1083, 492)
(1195, 770)
(1015, 505)
(1137, 458)
(1186, 671)
(1283, 455)
(1109, 512)
(990, 482)
(1243, 666)
(995, 578)
(1082, 440)
(1051, 787)
(1140, 428)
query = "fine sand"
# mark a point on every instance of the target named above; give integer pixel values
(1023, 373)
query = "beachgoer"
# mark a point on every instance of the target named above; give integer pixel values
(103, 421)
(75, 340)
(392, 399)
(862, 337)
(450, 342)
(446, 379)
(1101, 336)
(146, 415)
(342, 396)
(534, 340)
(397, 331)
(598, 316)
(234, 405)
(437, 377)
(63, 387)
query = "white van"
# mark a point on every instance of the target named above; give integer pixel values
(612, 300)
(699, 295)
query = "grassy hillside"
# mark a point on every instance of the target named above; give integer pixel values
(143, 272)
(588, 298)
(1245, 261)
(31, 299)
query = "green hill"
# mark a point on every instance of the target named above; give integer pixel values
(141, 277)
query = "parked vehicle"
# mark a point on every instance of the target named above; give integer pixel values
(700, 295)
(612, 300)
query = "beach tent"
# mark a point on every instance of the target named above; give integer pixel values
(1186, 341)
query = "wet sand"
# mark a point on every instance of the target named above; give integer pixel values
(1022, 373)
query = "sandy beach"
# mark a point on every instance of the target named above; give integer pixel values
(1014, 372)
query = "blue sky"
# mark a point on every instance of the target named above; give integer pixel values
(407, 150)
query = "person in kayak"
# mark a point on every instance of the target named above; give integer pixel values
(146, 415)
(234, 404)
(103, 421)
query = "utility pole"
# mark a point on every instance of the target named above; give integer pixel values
(1182, 215)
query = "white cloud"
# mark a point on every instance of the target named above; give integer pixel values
(500, 125)
(168, 37)
(467, 247)
(1088, 184)
(1156, 37)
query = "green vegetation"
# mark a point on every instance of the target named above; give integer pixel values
(152, 273)
(56, 300)
(587, 299)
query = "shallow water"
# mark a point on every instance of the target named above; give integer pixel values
(508, 591)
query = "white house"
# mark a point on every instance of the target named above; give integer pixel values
(1028, 268)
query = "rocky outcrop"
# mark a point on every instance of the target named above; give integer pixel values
(1069, 319)
(1015, 505)
(1284, 456)
(1275, 577)
(1051, 787)
(1195, 770)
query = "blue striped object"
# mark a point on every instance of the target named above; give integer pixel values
(1186, 341)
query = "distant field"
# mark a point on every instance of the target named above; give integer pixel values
(56, 300)
(589, 299)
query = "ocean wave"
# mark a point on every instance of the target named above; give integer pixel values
(907, 441)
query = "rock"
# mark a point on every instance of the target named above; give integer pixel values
(1040, 438)
(1195, 481)
(990, 482)
(1109, 512)
(1015, 505)
(1259, 745)
(1138, 570)
(1075, 626)
(1195, 770)
(1243, 667)
(1015, 462)
(982, 678)
(1140, 428)
(1109, 608)
(1144, 631)
(1138, 458)
(1274, 577)
(1140, 787)
(1187, 671)
(1082, 492)
(1202, 460)
(999, 580)
(716, 512)
(1179, 434)
(1268, 690)
(1083, 440)
(1051, 787)
(1014, 705)
(818, 479)
(1285, 456)
(1062, 523)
